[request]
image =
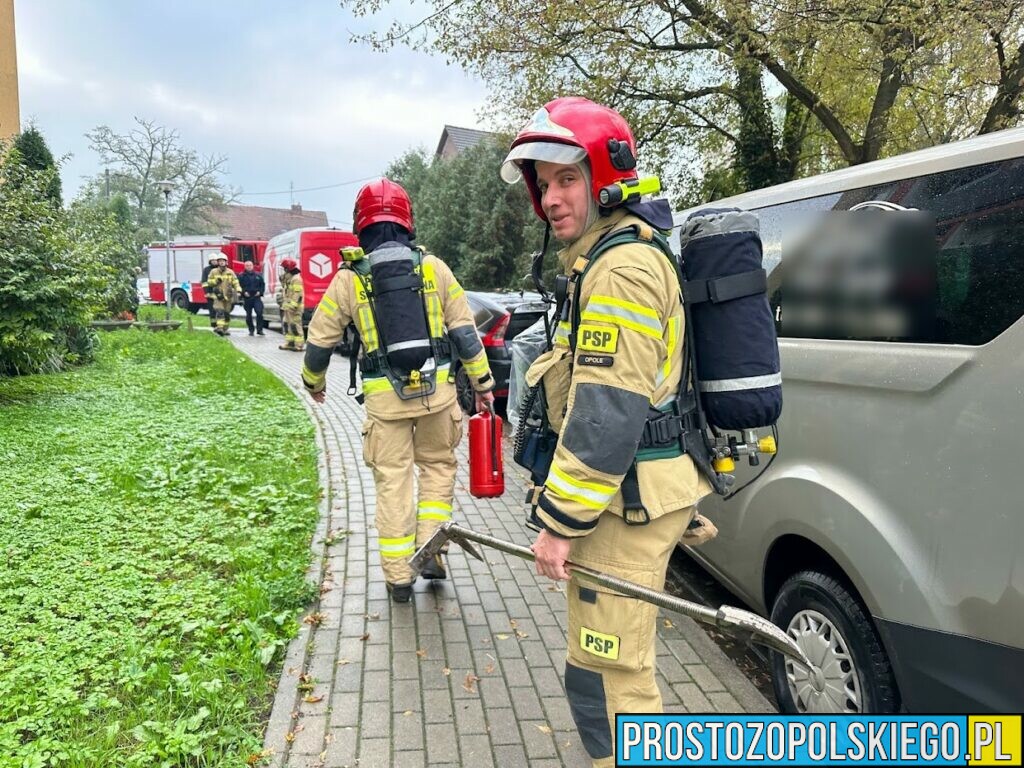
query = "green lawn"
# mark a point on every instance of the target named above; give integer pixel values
(156, 510)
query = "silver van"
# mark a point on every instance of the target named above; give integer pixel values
(888, 535)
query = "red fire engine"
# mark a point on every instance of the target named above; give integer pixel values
(188, 257)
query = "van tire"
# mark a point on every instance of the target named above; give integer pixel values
(821, 593)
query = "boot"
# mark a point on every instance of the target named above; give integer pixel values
(259, 327)
(434, 569)
(300, 348)
(400, 593)
(289, 346)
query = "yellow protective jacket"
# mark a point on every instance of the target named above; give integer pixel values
(629, 358)
(448, 313)
(222, 285)
(289, 293)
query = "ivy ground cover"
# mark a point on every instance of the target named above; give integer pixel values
(156, 510)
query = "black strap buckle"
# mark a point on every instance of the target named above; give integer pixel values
(661, 431)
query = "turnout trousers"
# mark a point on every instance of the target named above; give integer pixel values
(611, 641)
(291, 327)
(222, 314)
(391, 448)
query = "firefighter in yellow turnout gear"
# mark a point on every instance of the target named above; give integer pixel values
(222, 284)
(290, 299)
(612, 500)
(403, 429)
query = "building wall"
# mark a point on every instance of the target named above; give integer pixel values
(10, 120)
(448, 151)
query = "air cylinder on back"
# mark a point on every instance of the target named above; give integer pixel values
(737, 352)
(398, 307)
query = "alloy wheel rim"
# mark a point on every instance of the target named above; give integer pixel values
(831, 685)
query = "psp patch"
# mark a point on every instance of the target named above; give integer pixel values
(599, 644)
(605, 361)
(597, 338)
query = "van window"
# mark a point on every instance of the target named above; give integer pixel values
(979, 249)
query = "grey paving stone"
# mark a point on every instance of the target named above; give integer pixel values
(341, 748)
(441, 743)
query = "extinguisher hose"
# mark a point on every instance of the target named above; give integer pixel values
(494, 441)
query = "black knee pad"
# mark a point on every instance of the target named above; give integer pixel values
(589, 706)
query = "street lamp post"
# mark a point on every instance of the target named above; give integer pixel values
(166, 186)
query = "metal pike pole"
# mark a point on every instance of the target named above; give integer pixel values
(735, 621)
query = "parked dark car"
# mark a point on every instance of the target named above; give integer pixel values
(500, 317)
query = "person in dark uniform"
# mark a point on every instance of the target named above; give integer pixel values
(253, 288)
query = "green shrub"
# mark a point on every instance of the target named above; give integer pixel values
(46, 299)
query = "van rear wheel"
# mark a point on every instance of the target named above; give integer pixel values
(850, 671)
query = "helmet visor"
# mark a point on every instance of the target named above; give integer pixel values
(543, 151)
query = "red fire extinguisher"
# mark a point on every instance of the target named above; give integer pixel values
(486, 472)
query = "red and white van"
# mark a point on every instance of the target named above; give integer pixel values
(188, 258)
(315, 250)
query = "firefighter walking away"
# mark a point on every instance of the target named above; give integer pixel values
(412, 318)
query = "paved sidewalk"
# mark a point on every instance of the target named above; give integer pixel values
(470, 673)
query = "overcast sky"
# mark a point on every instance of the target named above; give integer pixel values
(274, 85)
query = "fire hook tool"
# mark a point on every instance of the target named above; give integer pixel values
(738, 622)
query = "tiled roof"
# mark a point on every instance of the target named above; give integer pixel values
(253, 222)
(462, 138)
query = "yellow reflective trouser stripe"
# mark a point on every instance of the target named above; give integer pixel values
(434, 510)
(455, 290)
(623, 313)
(590, 495)
(477, 367)
(328, 305)
(401, 547)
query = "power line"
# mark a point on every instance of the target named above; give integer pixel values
(310, 189)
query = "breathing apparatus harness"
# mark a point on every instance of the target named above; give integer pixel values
(406, 383)
(680, 427)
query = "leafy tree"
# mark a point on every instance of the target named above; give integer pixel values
(480, 226)
(48, 287)
(149, 153)
(770, 88)
(35, 154)
(103, 243)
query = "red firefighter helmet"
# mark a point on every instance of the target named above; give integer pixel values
(382, 200)
(288, 264)
(567, 131)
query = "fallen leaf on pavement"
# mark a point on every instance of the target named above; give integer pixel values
(669, 624)
(365, 637)
(446, 671)
(343, 662)
(311, 699)
(470, 682)
(544, 728)
(502, 637)
(422, 653)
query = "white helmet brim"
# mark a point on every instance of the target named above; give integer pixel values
(543, 151)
